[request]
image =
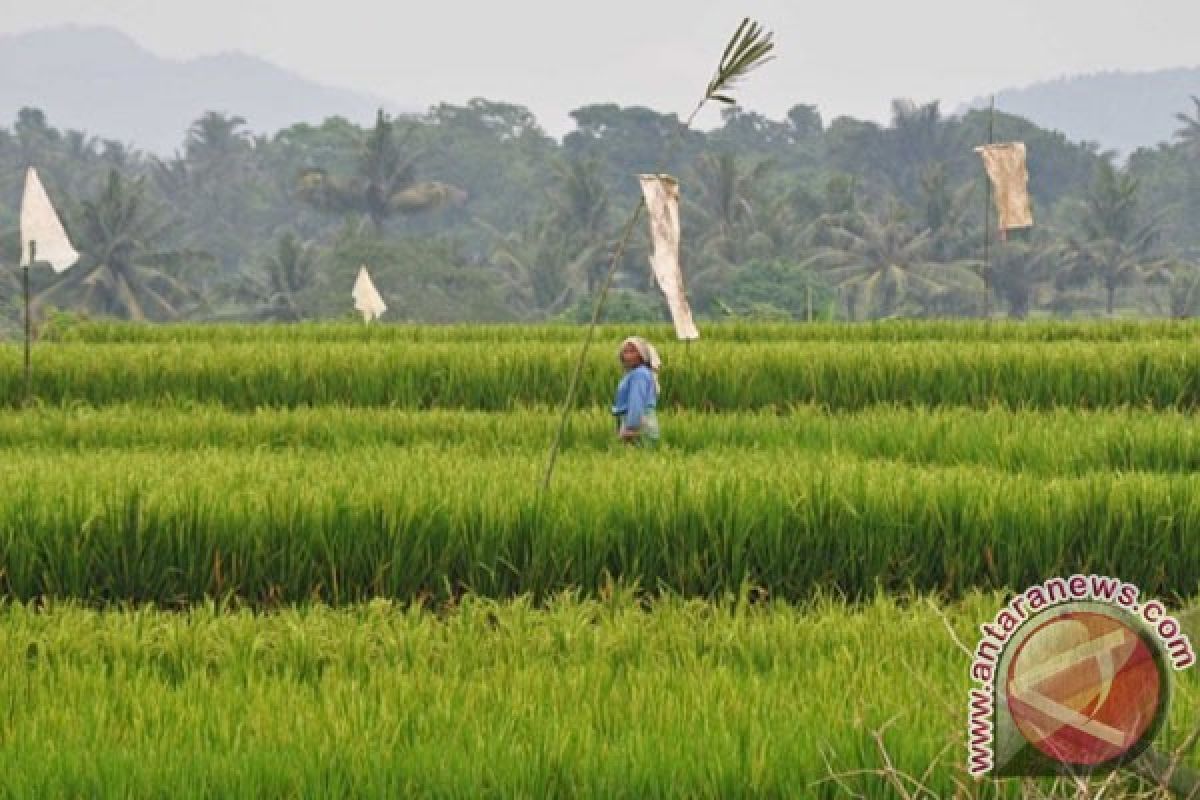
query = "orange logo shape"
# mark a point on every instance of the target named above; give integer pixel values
(1084, 688)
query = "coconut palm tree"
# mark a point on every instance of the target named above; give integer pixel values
(723, 205)
(561, 255)
(120, 235)
(946, 212)
(384, 184)
(732, 222)
(1115, 245)
(580, 221)
(290, 271)
(1018, 268)
(1179, 297)
(217, 141)
(542, 271)
(882, 267)
(1189, 134)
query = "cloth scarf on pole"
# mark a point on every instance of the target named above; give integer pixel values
(40, 224)
(1005, 165)
(662, 206)
(366, 298)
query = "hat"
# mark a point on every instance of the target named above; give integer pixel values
(646, 351)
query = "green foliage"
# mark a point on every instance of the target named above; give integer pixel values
(538, 230)
(777, 289)
(743, 368)
(384, 183)
(748, 49)
(283, 508)
(224, 471)
(615, 698)
(124, 272)
(1116, 244)
(885, 268)
(621, 305)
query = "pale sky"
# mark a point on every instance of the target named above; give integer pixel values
(845, 56)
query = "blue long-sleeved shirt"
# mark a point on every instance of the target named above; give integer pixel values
(635, 394)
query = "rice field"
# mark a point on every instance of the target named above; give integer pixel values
(718, 376)
(901, 330)
(312, 561)
(604, 698)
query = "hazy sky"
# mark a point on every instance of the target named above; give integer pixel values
(846, 56)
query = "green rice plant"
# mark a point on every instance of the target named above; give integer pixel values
(711, 376)
(102, 332)
(1060, 442)
(586, 698)
(423, 522)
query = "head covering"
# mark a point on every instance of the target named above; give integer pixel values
(647, 352)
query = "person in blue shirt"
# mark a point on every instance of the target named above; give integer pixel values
(637, 393)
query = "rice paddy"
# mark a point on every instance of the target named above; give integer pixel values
(315, 561)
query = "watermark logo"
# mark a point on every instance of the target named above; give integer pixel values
(1074, 676)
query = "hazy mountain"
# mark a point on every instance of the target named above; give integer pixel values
(101, 81)
(1121, 111)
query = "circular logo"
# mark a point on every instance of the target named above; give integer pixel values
(1086, 688)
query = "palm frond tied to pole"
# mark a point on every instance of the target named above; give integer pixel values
(749, 48)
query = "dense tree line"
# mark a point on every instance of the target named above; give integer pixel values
(474, 213)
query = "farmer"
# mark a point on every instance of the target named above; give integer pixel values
(637, 393)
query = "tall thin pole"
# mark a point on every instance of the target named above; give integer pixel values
(596, 310)
(987, 221)
(28, 323)
(599, 306)
(748, 49)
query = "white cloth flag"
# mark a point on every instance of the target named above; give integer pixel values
(40, 223)
(1005, 165)
(662, 204)
(366, 297)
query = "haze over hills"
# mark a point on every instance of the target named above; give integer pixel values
(102, 81)
(1121, 111)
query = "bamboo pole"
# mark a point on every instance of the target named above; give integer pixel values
(748, 49)
(987, 222)
(28, 399)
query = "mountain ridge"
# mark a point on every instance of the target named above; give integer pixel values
(1120, 110)
(103, 81)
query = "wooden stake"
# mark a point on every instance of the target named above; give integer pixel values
(28, 325)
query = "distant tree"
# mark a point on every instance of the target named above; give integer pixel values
(891, 160)
(749, 131)
(629, 141)
(1115, 246)
(840, 195)
(217, 142)
(1189, 134)
(946, 213)
(774, 289)
(1179, 282)
(290, 272)
(499, 121)
(562, 254)
(882, 267)
(723, 203)
(805, 121)
(120, 235)
(36, 141)
(1018, 267)
(542, 273)
(580, 210)
(384, 185)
